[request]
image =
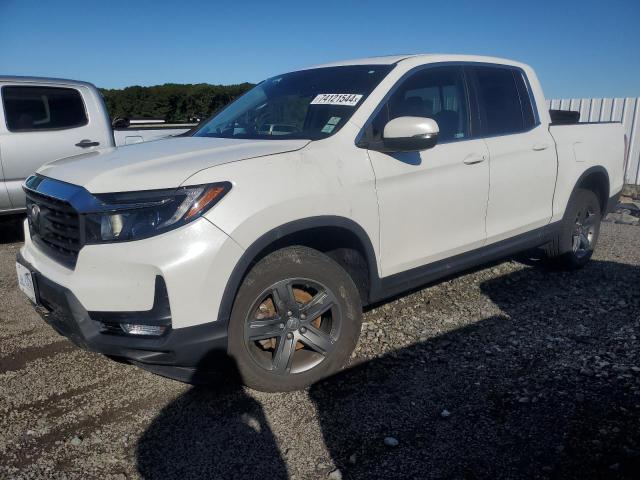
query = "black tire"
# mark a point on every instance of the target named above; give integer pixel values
(582, 221)
(278, 288)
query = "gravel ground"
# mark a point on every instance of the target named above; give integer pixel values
(510, 371)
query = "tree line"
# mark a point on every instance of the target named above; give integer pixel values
(172, 102)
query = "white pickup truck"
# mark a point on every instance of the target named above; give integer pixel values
(393, 172)
(45, 119)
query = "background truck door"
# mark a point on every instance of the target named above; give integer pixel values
(42, 124)
(432, 204)
(5, 204)
(522, 156)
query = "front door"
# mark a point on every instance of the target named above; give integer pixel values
(432, 204)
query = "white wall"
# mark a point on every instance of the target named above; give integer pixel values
(626, 110)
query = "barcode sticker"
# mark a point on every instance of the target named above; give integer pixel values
(346, 99)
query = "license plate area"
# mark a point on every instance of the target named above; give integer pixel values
(26, 282)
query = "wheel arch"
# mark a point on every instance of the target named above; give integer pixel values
(595, 179)
(340, 237)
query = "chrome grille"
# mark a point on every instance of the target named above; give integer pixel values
(55, 227)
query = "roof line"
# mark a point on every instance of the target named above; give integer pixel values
(25, 79)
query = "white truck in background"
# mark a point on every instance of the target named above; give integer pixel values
(45, 119)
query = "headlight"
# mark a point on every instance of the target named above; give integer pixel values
(136, 215)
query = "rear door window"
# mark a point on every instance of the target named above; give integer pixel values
(505, 105)
(34, 108)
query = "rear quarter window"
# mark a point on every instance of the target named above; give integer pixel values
(34, 108)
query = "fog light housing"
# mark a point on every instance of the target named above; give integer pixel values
(143, 330)
(149, 323)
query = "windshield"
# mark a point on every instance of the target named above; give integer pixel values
(310, 104)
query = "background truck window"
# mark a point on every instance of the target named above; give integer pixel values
(42, 108)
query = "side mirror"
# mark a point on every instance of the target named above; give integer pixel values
(410, 134)
(120, 122)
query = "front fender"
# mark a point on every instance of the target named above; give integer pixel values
(255, 250)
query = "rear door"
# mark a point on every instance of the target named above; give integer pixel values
(41, 124)
(522, 157)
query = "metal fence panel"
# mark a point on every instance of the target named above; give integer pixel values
(625, 110)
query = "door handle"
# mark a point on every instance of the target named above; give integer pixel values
(540, 147)
(473, 159)
(86, 143)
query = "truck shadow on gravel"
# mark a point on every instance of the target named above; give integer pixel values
(213, 431)
(549, 389)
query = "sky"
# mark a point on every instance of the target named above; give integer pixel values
(580, 48)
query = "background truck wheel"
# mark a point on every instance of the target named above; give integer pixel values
(295, 320)
(574, 244)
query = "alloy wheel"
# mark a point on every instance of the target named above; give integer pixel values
(584, 231)
(293, 326)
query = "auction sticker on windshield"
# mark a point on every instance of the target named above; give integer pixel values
(346, 99)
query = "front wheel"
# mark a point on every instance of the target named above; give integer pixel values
(296, 319)
(574, 244)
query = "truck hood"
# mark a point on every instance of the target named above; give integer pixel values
(159, 164)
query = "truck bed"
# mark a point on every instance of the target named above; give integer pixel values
(582, 145)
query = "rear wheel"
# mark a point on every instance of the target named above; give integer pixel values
(574, 244)
(295, 320)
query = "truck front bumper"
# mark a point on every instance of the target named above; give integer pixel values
(185, 354)
(174, 280)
